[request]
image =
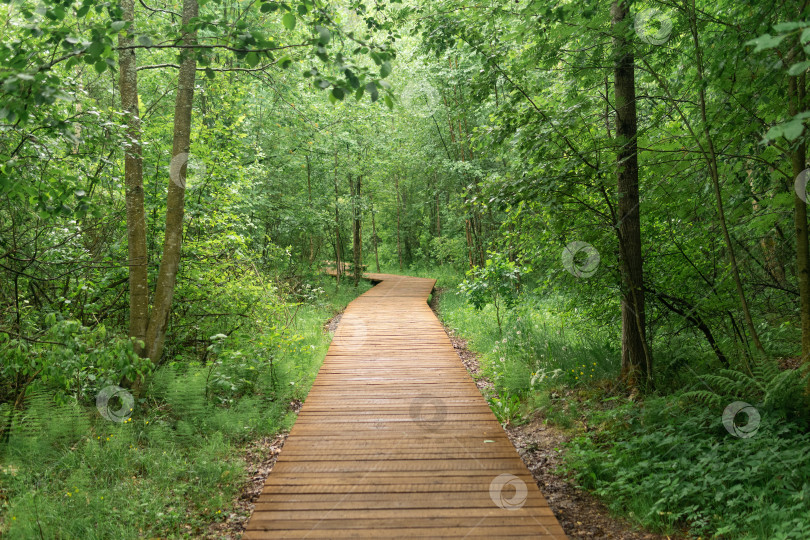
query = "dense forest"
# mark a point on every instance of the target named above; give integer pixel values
(612, 196)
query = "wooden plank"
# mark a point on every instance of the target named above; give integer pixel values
(396, 441)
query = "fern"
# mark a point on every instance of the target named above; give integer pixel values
(703, 396)
(766, 384)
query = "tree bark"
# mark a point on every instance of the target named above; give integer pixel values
(399, 244)
(636, 368)
(338, 244)
(311, 258)
(438, 216)
(374, 239)
(175, 200)
(133, 179)
(356, 232)
(796, 93)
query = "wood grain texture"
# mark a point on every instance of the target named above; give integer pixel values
(395, 440)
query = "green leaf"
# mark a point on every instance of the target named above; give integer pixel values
(324, 35)
(371, 88)
(117, 26)
(338, 93)
(144, 40)
(788, 26)
(793, 129)
(288, 20)
(385, 69)
(765, 42)
(352, 78)
(267, 6)
(302, 9)
(252, 59)
(389, 101)
(797, 69)
(210, 73)
(100, 66)
(95, 48)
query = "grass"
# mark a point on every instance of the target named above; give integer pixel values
(664, 461)
(175, 467)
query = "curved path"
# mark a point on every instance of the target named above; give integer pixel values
(395, 440)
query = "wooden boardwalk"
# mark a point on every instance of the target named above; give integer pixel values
(395, 440)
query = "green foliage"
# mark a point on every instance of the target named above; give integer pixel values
(494, 283)
(177, 465)
(666, 465)
(506, 409)
(781, 391)
(71, 361)
(667, 462)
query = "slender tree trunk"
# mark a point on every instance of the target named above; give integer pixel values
(356, 231)
(469, 242)
(399, 243)
(374, 236)
(133, 179)
(309, 195)
(172, 244)
(714, 173)
(636, 360)
(338, 244)
(796, 92)
(438, 216)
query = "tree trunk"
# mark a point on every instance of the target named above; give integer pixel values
(469, 242)
(356, 232)
(796, 91)
(636, 368)
(309, 194)
(714, 173)
(175, 200)
(133, 179)
(399, 244)
(338, 245)
(438, 216)
(374, 238)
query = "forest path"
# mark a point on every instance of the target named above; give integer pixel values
(395, 440)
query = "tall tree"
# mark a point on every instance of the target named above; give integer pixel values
(636, 358)
(175, 201)
(357, 241)
(797, 104)
(133, 177)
